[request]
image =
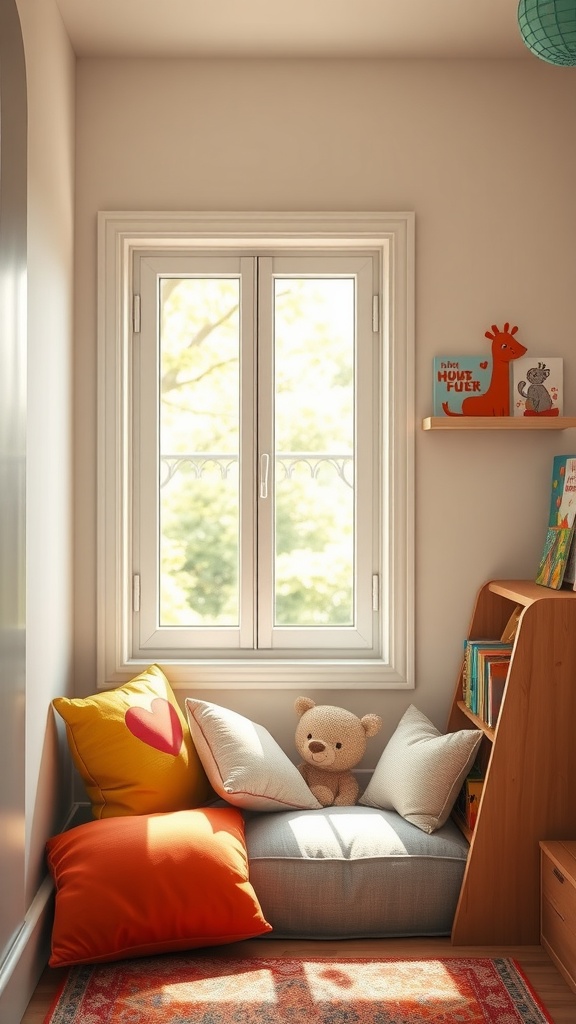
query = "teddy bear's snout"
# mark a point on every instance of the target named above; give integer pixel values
(315, 747)
(319, 753)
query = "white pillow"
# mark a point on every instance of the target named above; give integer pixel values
(244, 764)
(421, 771)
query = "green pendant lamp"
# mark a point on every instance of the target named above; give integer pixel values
(548, 27)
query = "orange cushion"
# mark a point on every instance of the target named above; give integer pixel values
(133, 748)
(134, 886)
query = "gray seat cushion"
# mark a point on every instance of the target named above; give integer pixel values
(353, 872)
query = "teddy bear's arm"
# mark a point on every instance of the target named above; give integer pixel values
(323, 793)
(348, 790)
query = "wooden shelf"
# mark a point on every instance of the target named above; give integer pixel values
(478, 722)
(526, 592)
(528, 791)
(498, 423)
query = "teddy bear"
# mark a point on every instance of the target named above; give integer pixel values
(331, 740)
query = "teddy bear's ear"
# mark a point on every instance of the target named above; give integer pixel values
(371, 724)
(303, 704)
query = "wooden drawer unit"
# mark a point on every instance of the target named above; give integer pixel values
(558, 906)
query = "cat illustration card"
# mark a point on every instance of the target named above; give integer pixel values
(537, 386)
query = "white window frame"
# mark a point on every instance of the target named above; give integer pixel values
(392, 235)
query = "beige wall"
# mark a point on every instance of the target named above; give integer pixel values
(50, 71)
(485, 153)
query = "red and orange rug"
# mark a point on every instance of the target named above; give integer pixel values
(198, 989)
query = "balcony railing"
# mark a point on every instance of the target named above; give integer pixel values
(200, 463)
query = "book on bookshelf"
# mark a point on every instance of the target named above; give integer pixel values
(468, 799)
(457, 377)
(496, 682)
(479, 656)
(561, 519)
(490, 667)
(537, 386)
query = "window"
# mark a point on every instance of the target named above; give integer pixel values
(255, 382)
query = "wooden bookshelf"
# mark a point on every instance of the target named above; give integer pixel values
(529, 791)
(498, 423)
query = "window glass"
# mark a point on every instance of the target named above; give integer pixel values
(199, 436)
(314, 335)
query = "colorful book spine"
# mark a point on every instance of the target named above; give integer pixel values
(468, 800)
(497, 676)
(486, 662)
(480, 656)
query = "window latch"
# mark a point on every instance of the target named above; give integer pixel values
(264, 469)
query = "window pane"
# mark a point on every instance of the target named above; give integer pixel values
(199, 451)
(314, 337)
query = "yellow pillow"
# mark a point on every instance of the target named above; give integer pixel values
(133, 748)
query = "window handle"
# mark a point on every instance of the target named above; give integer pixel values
(264, 469)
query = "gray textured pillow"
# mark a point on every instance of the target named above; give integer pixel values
(244, 764)
(420, 772)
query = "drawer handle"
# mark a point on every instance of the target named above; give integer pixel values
(559, 875)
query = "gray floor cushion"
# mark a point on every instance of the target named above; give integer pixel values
(353, 872)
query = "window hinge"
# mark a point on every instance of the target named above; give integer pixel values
(375, 313)
(136, 593)
(375, 592)
(136, 314)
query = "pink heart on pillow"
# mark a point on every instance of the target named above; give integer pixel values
(159, 728)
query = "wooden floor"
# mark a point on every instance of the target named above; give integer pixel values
(553, 991)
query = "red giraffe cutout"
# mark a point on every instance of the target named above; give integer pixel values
(496, 400)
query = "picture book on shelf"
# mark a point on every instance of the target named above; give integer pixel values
(480, 658)
(497, 676)
(561, 519)
(491, 667)
(468, 799)
(537, 386)
(457, 377)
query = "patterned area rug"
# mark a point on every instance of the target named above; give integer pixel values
(198, 989)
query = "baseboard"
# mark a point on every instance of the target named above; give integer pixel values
(27, 957)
